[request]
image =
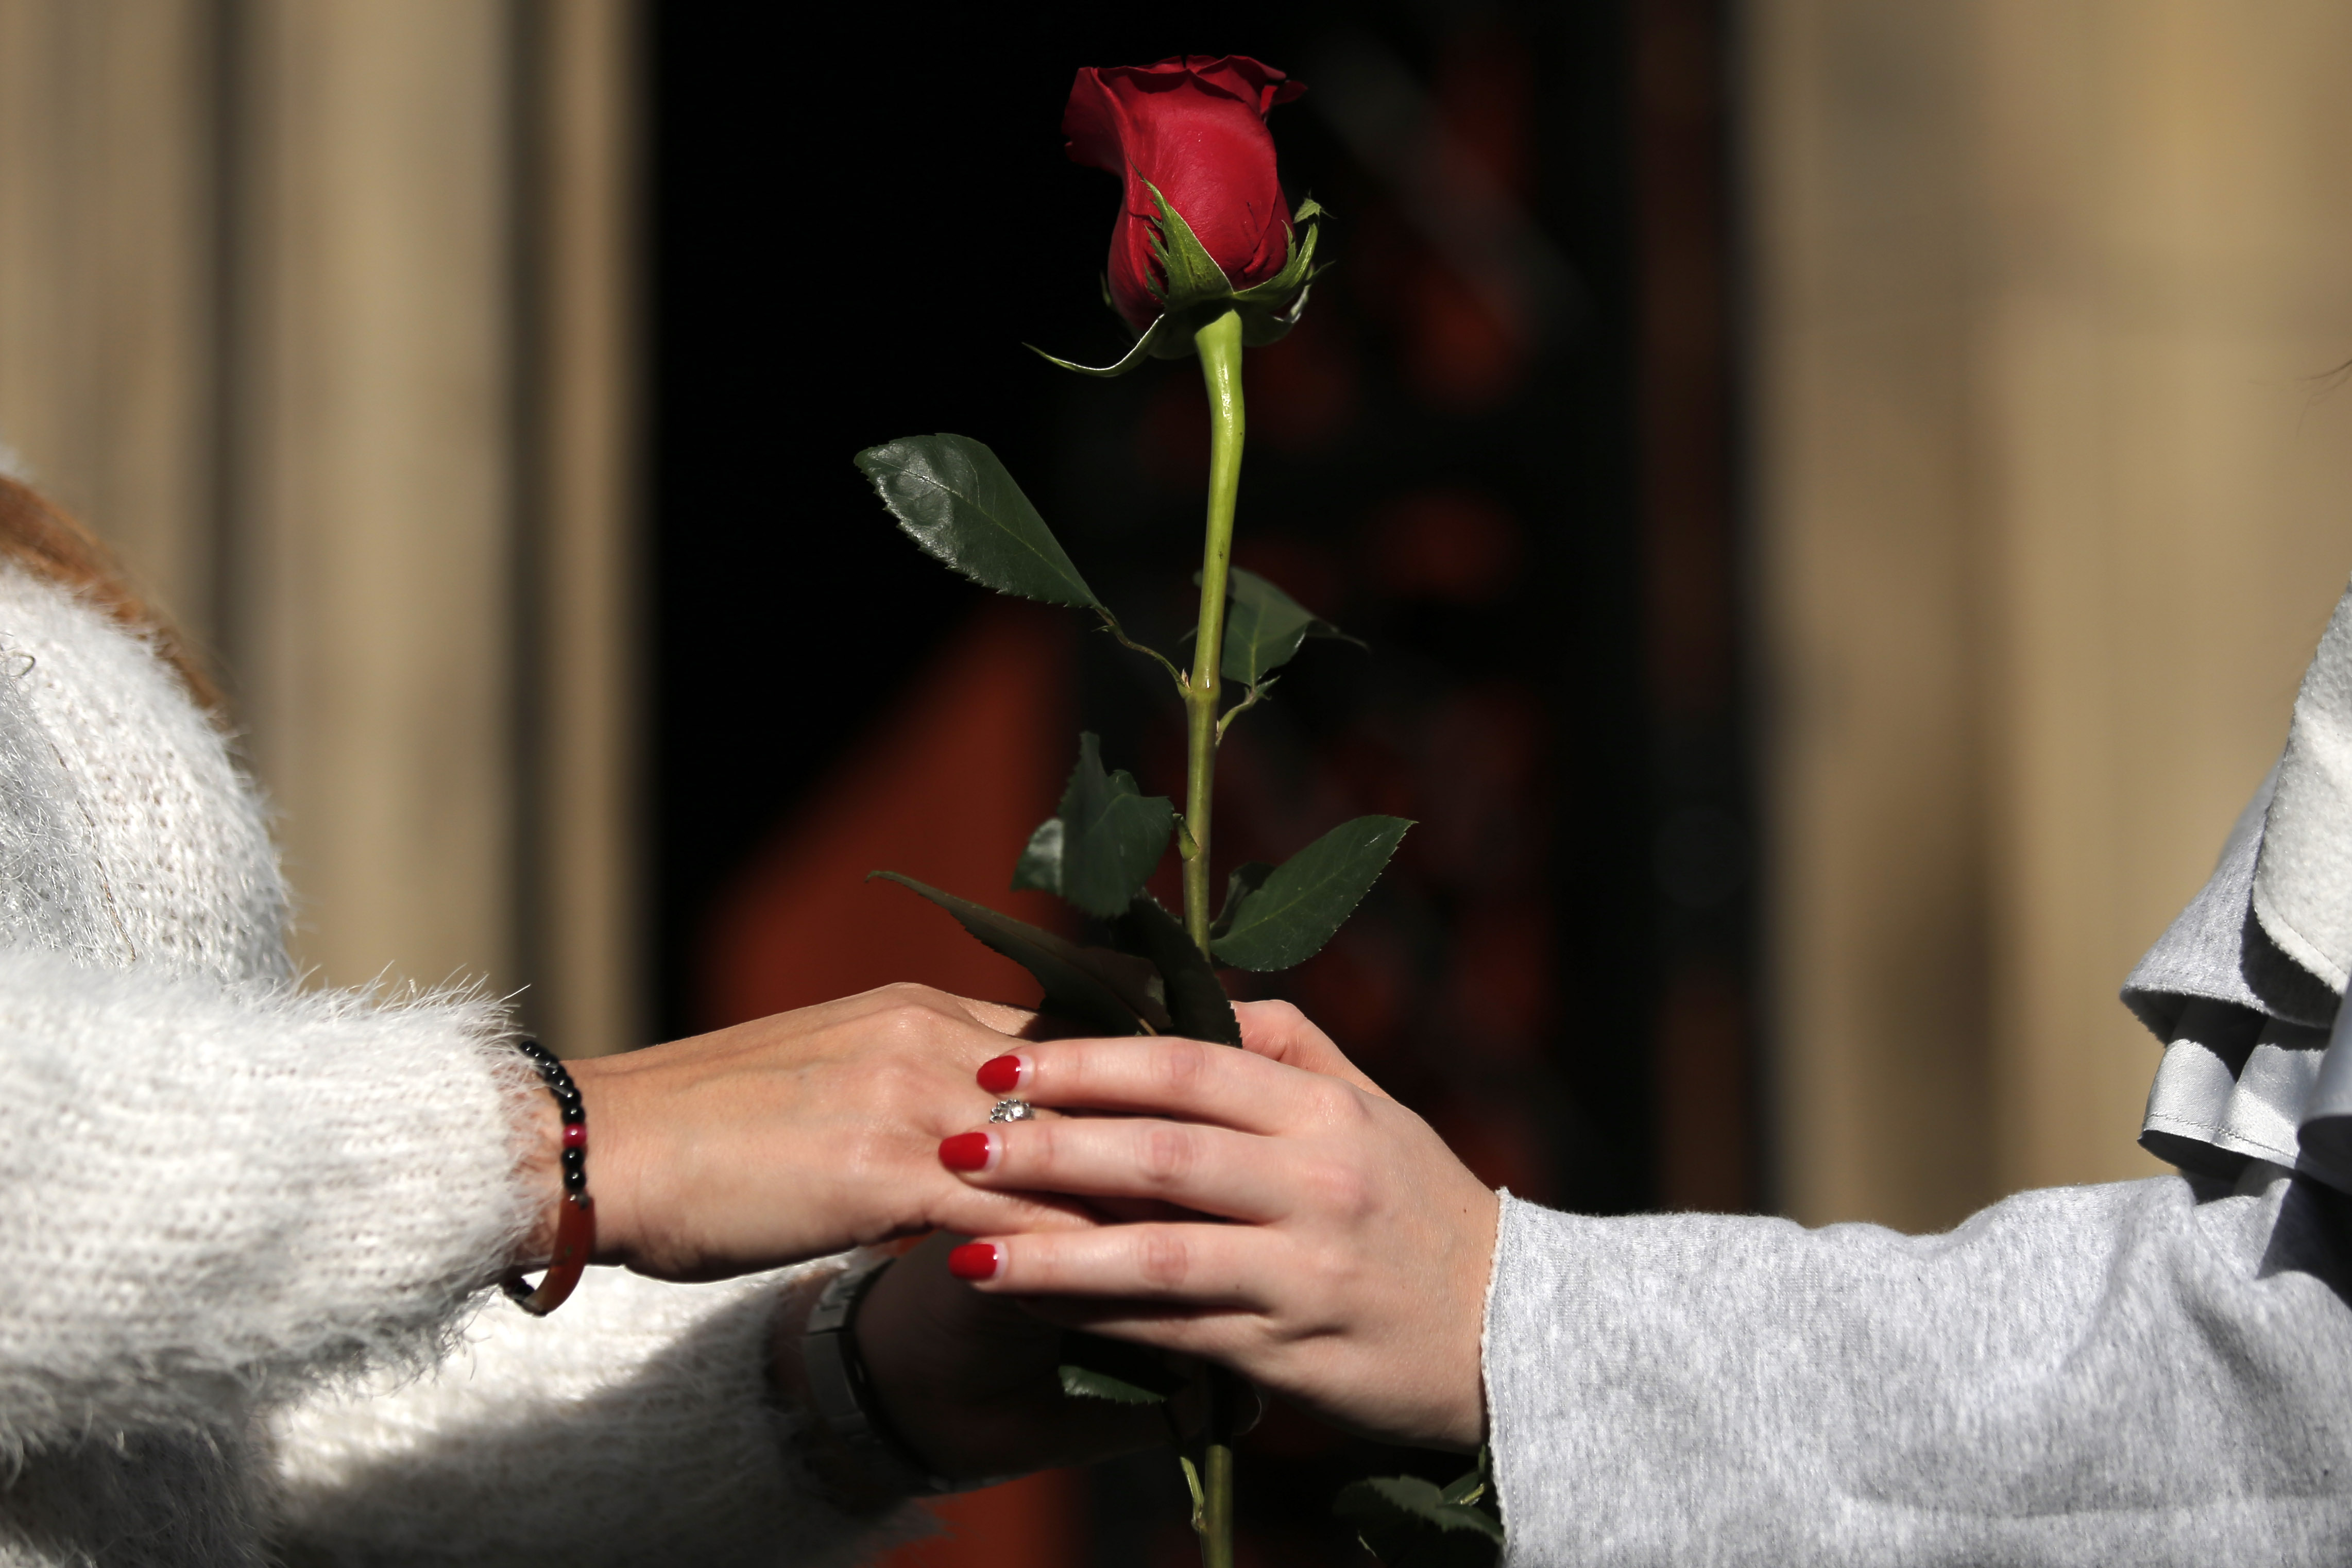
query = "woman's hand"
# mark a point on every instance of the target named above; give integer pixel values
(791, 1137)
(973, 1383)
(1355, 1280)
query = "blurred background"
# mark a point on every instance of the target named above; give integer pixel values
(1839, 496)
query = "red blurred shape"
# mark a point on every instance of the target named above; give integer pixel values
(1501, 988)
(1707, 1143)
(1453, 545)
(1171, 440)
(946, 788)
(1461, 356)
(1301, 392)
(1034, 1522)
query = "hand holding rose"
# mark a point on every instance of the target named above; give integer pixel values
(1352, 1278)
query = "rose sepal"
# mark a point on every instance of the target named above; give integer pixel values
(1269, 310)
(1199, 291)
(1148, 346)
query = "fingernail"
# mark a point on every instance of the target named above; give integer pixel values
(976, 1260)
(1001, 1074)
(967, 1151)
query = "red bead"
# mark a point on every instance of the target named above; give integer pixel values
(576, 1135)
(1001, 1075)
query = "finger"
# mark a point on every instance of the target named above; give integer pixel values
(1183, 1079)
(976, 1211)
(1208, 1169)
(1280, 1032)
(1198, 1266)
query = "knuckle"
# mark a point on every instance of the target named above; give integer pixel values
(1338, 1104)
(1178, 1067)
(894, 1084)
(1168, 1156)
(1342, 1190)
(1164, 1259)
(909, 1006)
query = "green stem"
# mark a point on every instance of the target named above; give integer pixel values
(1217, 1505)
(1220, 346)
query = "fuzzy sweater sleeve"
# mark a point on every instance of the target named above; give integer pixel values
(211, 1189)
(636, 1425)
(2152, 1372)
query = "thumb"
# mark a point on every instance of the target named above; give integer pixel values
(1280, 1032)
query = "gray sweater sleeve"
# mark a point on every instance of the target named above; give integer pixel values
(2155, 1371)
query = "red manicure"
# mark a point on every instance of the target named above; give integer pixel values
(1001, 1075)
(965, 1152)
(976, 1259)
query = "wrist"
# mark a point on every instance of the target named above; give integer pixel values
(1466, 1430)
(857, 1460)
(607, 1167)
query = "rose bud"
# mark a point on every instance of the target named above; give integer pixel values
(1204, 228)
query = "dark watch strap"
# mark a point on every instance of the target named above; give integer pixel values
(841, 1392)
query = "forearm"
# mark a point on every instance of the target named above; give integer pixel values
(638, 1424)
(2084, 1375)
(203, 1188)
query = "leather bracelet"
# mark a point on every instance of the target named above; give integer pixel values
(575, 1224)
(841, 1390)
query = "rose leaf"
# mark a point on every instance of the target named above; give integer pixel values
(1098, 849)
(1093, 1367)
(1197, 1005)
(1113, 992)
(1263, 628)
(1288, 917)
(953, 497)
(1408, 1522)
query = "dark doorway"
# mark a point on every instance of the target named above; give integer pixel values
(1498, 450)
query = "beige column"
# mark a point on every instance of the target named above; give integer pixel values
(586, 654)
(1875, 918)
(107, 278)
(376, 466)
(2051, 511)
(321, 310)
(2167, 223)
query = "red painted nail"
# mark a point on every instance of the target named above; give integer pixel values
(1001, 1075)
(976, 1259)
(965, 1152)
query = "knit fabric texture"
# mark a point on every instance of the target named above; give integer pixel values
(2152, 1372)
(242, 1224)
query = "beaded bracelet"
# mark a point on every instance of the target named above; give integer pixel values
(575, 1225)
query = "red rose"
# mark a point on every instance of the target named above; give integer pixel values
(1194, 129)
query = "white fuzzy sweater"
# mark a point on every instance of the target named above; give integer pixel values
(244, 1227)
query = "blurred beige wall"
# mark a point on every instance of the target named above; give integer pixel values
(321, 311)
(2049, 513)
